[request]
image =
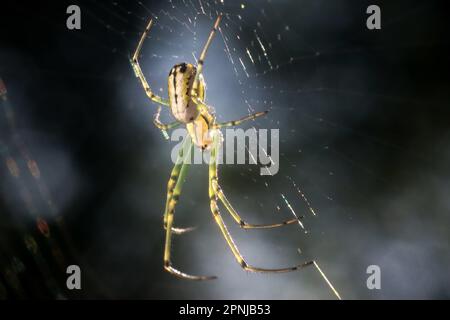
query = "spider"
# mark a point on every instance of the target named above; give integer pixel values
(186, 92)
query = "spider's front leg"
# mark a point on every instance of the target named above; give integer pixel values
(138, 71)
(201, 59)
(174, 188)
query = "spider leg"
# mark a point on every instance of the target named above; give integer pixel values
(237, 122)
(138, 71)
(174, 188)
(218, 219)
(244, 225)
(201, 106)
(201, 59)
(164, 127)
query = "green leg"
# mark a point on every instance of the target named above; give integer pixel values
(174, 188)
(237, 122)
(236, 217)
(218, 219)
(164, 127)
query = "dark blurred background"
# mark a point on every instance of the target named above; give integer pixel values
(364, 135)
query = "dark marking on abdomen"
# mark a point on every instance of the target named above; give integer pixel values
(175, 84)
(183, 67)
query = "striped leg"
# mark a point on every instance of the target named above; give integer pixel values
(164, 127)
(222, 226)
(237, 122)
(174, 188)
(244, 225)
(138, 71)
(201, 59)
(173, 180)
(201, 106)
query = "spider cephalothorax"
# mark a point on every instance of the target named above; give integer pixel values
(186, 90)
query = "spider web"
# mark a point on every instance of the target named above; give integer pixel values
(267, 57)
(253, 60)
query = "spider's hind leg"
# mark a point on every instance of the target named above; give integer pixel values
(218, 219)
(243, 224)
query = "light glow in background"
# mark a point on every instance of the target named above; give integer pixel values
(360, 143)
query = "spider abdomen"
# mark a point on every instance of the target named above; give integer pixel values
(180, 81)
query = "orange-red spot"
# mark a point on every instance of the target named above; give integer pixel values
(43, 227)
